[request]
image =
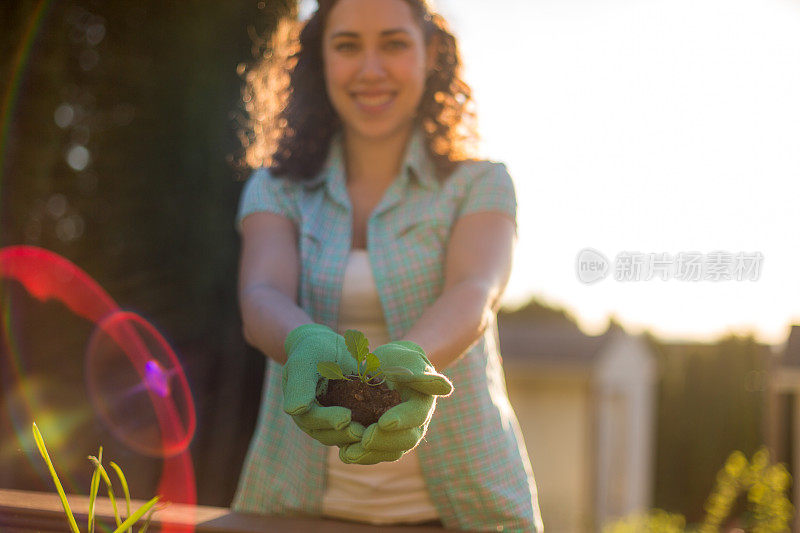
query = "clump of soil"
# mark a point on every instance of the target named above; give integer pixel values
(366, 402)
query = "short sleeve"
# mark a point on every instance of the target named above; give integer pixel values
(263, 192)
(491, 190)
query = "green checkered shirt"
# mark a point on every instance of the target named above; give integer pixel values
(473, 457)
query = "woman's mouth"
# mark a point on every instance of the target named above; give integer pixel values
(373, 103)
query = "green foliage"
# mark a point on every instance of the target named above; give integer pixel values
(93, 488)
(766, 485)
(330, 370)
(372, 363)
(357, 344)
(368, 365)
(99, 472)
(656, 521)
(46, 456)
(104, 475)
(124, 483)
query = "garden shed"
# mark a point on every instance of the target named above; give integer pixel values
(586, 406)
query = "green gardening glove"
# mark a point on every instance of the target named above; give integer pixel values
(306, 346)
(402, 427)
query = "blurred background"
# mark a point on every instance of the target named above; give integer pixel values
(651, 127)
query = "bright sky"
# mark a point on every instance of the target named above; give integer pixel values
(657, 126)
(654, 126)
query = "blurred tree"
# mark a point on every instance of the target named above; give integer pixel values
(710, 403)
(119, 159)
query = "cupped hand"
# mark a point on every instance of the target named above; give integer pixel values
(403, 426)
(306, 346)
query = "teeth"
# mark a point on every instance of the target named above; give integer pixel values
(373, 100)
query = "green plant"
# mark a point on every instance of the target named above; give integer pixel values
(367, 363)
(655, 521)
(766, 485)
(99, 473)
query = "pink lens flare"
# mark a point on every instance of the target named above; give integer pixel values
(156, 378)
(142, 361)
(46, 276)
(137, 386)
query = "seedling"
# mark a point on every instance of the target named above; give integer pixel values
(368, 366)
(364, 392)
(99, 472)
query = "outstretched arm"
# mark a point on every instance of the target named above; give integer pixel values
(478, 265)
(268, 281)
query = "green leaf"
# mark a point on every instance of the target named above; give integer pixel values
(99, 472)
(330, 370)
(43, 451)
(373, 363)
(357, 344)
(132, 519)
(125, 490)
(107, 480)
(147, 519)
(93, 488)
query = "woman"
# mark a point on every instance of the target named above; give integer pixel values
(371, 217)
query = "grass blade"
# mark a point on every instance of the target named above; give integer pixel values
(94, 487)
(107, 481)
(132, 519)
(147, 521)
(43, 451)
(124, 483)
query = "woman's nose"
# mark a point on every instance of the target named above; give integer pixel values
(372, 65)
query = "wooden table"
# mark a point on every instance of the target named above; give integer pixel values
(25, 511)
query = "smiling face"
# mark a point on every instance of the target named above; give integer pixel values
(376, 62)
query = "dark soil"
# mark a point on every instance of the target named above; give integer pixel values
(366, 402)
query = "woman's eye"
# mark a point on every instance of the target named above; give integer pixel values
(344, 47)
(396, 45)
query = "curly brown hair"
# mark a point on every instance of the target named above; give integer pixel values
(292, 120)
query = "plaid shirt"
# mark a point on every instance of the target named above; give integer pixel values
(473, 457)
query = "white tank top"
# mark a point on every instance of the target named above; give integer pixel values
(385, 493)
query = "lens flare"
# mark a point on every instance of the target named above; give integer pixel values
(21, 57)
(124, 351)
(137, 386)
(46, 275)
(156, 378)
